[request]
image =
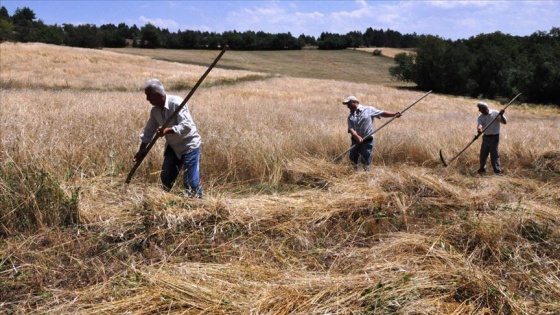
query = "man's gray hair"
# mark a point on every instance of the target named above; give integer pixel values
(154, 85)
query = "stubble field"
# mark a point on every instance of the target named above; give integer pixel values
(282, 229)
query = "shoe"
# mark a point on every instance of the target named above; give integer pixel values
(481, 171)
(499, 174)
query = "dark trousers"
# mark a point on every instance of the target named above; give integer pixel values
(490, 145)
(361, 153)
(190, 162)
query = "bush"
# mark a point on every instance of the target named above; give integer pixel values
(30, 199)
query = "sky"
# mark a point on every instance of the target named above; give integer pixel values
(447, 19)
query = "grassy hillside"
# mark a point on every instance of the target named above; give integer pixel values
(282, 229)
(345, 65)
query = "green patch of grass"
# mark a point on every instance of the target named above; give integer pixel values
(31, 198)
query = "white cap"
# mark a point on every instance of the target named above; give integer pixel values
(350, 98)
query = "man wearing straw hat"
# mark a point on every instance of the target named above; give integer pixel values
(360, 124)
(491, 137)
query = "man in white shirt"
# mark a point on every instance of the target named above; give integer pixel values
(360, 125)
(491, 137)
(182, 147)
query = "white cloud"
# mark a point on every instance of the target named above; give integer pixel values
(355, 14)
(270, 17)
(459, 4)
(448, 19)
(362, 3)
(161, 23)
(389, 19)
(312, 15)
(467, 22)
(254, 16)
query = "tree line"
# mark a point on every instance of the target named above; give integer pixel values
(492, 66)
(23, 26)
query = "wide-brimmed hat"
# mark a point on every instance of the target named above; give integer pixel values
(350, 98)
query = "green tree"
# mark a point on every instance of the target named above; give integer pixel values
(23, 20)
(6, 25)
(85, 35)
(150, 36)
(374, 38)
(331, 41)
(307, 40)
(250, 40)
(282, 41)
(457, 63)
(112, 37)
(429, 63)
(405, 68)
(168, 40)
(392, 38)
(4, 15)
(189, 39)
(6, 30)
(262, 41)
(50, 34)
(409, 40)
(495, 57)
(354, 39)
(234, 39)
(23, 15)
(543, 67)
(132, 32)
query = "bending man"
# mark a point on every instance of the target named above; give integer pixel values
(182, 149)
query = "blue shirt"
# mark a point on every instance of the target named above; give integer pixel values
(361, 120)
(185, 138)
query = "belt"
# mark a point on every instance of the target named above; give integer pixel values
(491, 135)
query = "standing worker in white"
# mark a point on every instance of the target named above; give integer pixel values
(488, 123)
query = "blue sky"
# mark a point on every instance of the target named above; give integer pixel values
(447, 19)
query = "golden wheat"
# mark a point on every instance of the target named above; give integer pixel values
(282, 230)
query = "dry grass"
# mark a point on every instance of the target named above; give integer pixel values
(345, 65)
(282, 230)
(385, 51)
(40, 66)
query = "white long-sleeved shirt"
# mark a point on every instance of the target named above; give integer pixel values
(185, 138)
(484, 120)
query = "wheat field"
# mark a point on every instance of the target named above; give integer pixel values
(282, 229)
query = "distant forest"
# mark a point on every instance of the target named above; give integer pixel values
(492, 66)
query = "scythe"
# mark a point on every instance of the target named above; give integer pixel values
(475, 137)
(175, 113)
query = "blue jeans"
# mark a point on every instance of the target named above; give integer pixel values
(361, 153)
(190, 162)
